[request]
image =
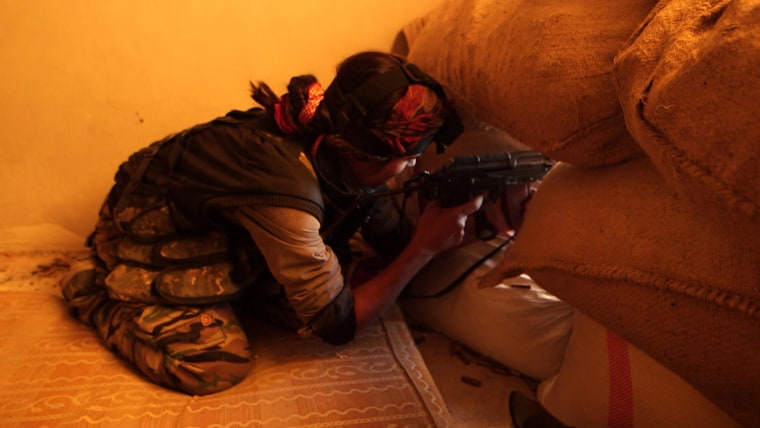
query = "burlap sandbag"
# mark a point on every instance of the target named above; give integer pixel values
(606, 382)
(621, 246)
(478, 138)
(541, 71)
(689, 84)
(515, 322)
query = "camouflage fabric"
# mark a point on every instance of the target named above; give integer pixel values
(167, 263)
(150, 260)
(197, 350)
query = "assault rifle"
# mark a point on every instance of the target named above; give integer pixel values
(462, 178)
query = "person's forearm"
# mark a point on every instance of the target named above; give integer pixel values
(374, 297)
(443, 229)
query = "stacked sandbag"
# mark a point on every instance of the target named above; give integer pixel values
(607, 382)
(621, 246)
(513, 321)
(650, 222)
(541, 71)
(689, 84)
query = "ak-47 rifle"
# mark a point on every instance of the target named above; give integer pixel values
(463, 178)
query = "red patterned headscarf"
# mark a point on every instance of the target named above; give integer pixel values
(286, 121)
(414, 118)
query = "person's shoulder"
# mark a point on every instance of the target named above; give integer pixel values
(254, 117)
(252, 113)
(260, 122)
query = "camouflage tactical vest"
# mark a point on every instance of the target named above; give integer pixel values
(160, 233)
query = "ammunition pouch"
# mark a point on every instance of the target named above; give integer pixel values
(156, 256)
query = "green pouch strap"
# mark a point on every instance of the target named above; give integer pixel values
(200, 285)
(181, 285)
(130, 283)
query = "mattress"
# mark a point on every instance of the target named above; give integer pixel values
(56, 372)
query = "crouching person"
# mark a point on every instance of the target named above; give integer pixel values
(253, 211)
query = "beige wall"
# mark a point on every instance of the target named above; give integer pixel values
(84, 83)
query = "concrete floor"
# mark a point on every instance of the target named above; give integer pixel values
(475, 389)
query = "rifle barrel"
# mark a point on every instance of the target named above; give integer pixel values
(496, 161)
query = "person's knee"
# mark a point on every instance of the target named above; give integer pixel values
(223, 361)
(195, 350)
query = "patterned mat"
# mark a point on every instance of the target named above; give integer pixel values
(56, 372)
